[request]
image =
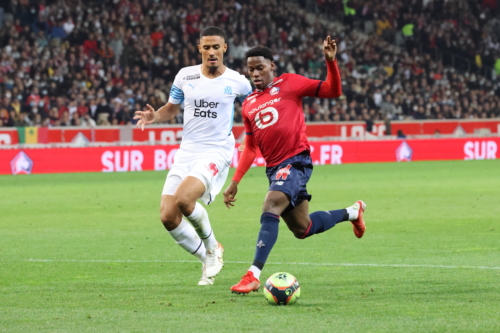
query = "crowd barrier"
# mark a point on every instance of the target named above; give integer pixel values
(173, 133)
(161, 157)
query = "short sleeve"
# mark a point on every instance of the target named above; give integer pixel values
(302, 86)
(245, 90)
(176, 93)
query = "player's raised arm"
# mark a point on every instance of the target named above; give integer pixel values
(149, 116)
(329, 48)
(332, 86)
(245, 162)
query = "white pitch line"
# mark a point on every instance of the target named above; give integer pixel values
(269, 263)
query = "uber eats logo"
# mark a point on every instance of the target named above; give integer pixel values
(204, 108)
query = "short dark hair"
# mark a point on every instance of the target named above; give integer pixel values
(259, 51)
(212, 31)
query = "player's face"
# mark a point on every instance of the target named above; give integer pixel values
(212, 50)
(261, 71)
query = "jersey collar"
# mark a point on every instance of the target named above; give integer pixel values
(270, 84)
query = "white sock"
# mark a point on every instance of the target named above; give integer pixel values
(353, 213)
(188, 239)
(256, 271)
(201, 223)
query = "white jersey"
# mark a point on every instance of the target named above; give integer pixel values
(208, 109)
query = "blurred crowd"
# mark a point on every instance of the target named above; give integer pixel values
(75, 63)
(466, 33)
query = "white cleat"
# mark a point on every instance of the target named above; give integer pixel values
(214, 262)
(204, 280)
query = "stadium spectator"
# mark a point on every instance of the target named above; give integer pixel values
(87, 121)
(97, 50)
(5, 119)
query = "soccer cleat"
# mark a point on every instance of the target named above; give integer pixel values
(204, 280)
(214, 262)
(247, 284)
(358, 225)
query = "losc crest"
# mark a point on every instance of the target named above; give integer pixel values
(404, 152)
(21, 164)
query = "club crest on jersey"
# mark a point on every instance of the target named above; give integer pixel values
(213, 168)
(283, 173)
(274, 91)
(228, 90)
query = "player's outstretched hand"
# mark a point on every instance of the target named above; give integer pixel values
(242, 146)
(230, 193)
(145, 117)
(329, 48)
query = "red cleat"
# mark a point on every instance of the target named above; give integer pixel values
(358, 225)
(247, 284)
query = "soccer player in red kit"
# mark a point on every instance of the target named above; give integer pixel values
(274, 123)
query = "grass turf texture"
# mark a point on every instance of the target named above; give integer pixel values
(113, 266)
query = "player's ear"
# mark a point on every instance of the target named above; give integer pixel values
(199, 48)
(225, 47)
(273, 66)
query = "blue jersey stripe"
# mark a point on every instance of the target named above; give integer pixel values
(232, 119)
(176, 93)
(181, 100)
(317, 89)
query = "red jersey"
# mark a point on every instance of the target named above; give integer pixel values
(275, 118)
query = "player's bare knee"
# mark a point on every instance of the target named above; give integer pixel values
(297, 226)
(169, 221)
(185, 205)
(271, 206)
(299, 232)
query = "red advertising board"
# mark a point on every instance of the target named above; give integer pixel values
(8, 136)
(343, 129)
(173, 133)
(59, 135)
(138, 158)
(65, 134)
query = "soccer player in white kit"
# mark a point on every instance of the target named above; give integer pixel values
(202, 162)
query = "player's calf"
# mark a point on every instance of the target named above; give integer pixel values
(322, 221)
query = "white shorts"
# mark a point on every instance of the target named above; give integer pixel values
(210, 169)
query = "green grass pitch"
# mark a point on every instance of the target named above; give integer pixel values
(87, 253)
